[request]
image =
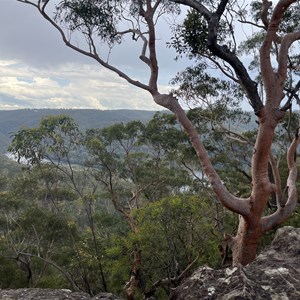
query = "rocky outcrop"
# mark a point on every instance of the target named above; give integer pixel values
(50, 294)
(275, 274)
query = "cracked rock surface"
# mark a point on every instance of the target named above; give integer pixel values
(274, 275)
(51, 294)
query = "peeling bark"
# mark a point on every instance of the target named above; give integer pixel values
(245, 243)
(235, 204)
(252, 225)
(133, 282)
(285, 210)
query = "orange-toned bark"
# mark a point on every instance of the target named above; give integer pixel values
(252, 223)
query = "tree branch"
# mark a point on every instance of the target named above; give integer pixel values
(264, 13)
(277, 180)
(152, 47)
(286, 43)
(65, 273)
(284, 211)
(270, 79)
(224, 53)
(222, 69)
(143, 56)
(238, 205)
(292, 94)
(95, 56)
(196, 5)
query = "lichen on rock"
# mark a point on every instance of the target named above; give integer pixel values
(275, 274)
(51, 294)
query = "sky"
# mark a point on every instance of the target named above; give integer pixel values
(38, 71)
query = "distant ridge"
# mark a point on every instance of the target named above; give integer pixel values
(12, 120)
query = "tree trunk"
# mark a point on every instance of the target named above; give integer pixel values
(133, 282)
(244, 244)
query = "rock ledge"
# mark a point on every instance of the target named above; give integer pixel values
(51, 294)
(275, 274)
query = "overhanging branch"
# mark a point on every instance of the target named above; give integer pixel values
(284, 211)
(41, 6)
(235, 204)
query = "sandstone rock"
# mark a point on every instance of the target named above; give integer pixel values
(106, 296)
(274, 275)
(51, 294)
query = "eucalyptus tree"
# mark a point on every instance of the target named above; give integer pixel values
(134, 169)
(118, 169)
(108, 23)
(52, 152)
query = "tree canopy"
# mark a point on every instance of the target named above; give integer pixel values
(210, 37)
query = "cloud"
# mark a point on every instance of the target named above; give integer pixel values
(70, 85)
(38, 70)
(27, 37)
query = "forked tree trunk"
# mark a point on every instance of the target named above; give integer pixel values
(244, 244)
(252, 224)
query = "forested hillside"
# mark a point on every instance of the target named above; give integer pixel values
(132, 206)
(124, 205)
(89, 207)
(13, 120)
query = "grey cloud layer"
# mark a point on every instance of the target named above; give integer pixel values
(26, 36)
(41, 58)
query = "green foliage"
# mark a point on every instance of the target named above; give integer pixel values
(190, 38)
(162, 133)
(198, 84)
(56, 136)
(12, 121)
(133, 154)
(173, 232)
(68, 225)
(8, 167)
(133, 190)
(94, 16)
(181, 226)
(103, 17)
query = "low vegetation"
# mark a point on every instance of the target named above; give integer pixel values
(94, 210)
